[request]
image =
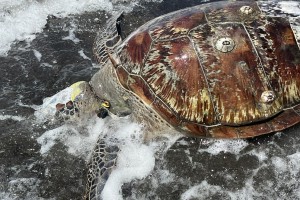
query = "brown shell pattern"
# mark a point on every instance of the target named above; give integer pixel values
(172, 63)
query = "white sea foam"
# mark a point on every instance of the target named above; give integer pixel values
(13, 117)
(230, 146)
(6, 196)
(82, 54)
(26, 186)
(135, 161)
(166, 176)
(78, 141)
(261, 155)
(290, 7)
(72, 36)
(21, 19)
(294, 163)
(37, 54)
(51, 137)
(202, 191)
(46, 65)
(285, 170)
(279, 163)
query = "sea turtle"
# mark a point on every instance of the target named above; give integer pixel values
(218, 70)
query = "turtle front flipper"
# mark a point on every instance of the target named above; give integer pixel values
(101, 164)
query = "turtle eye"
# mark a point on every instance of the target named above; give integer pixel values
(105, 104)
(225, 44)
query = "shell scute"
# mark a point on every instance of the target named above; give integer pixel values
(177, 25)
(195, 128)
(122, 76)
(141, 89)
(135, 52)
(222, 132)
(165, 112)
(174, 74)
(285, 119)
(254, 129)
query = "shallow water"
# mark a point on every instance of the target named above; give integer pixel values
(45, 47)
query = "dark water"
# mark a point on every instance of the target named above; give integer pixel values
(26, 81)
(261, 168)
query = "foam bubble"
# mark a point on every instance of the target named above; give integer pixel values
(16, 118)
(46, 65)
(202, 191)
(72, 37)
(294, 163)
(82, 54)
(279, 164)
(166, 176)
(37, 54)
(231, 146)
(261, 155)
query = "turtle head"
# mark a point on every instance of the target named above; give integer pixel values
(106, 86)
